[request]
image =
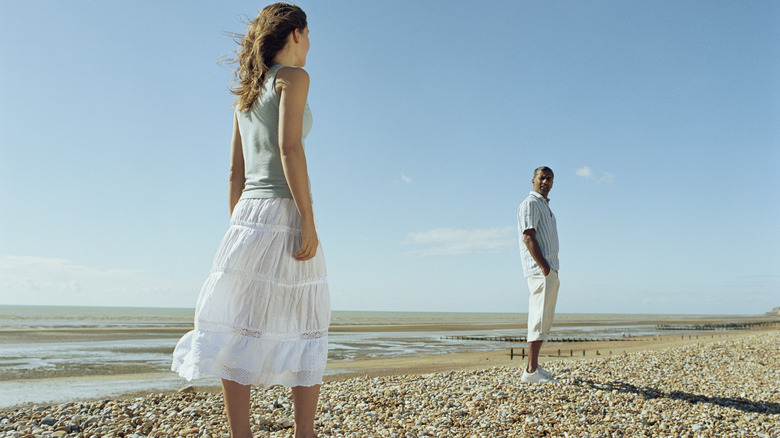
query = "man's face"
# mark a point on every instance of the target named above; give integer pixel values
(543, 182)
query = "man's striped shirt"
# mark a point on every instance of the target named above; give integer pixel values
(535, 213)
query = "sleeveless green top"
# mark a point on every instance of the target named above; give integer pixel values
(259, 129)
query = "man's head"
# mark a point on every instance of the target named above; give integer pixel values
(543, 180)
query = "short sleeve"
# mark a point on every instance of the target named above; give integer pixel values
(527, 216)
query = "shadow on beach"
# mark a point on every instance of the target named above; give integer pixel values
(741, 404)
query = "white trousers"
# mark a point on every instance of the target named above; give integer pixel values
(541, 304)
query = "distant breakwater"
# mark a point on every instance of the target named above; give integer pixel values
(718, 326)
(524, 339)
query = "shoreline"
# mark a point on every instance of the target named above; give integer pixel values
(53, 365)
(372, 367)
(721, 384)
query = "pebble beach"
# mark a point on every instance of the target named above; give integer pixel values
(709, 389)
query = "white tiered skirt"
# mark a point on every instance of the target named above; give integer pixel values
(262, 317)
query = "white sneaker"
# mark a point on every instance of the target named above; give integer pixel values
(544, 372)
(540, 375)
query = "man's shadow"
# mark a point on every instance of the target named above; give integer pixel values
(727, 402)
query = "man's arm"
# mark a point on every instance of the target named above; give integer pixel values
(529, 239)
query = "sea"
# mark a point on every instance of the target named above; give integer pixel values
(52, 354)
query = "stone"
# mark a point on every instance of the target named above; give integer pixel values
(286, 423)
(189, 389)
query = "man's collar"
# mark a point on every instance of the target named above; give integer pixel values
(539, 195)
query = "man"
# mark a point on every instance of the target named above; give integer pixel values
(539, 250)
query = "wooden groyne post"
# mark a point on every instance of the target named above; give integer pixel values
(512, 353)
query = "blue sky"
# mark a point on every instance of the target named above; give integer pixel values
(661, 121)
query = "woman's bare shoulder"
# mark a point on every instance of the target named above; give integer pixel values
(293, 74)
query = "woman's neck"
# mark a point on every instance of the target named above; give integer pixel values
(284, 57)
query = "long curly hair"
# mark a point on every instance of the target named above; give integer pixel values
(265, 36)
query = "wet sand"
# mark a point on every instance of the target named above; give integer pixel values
(372, 367)
(35, 335)
(472, 361)
(78, 334)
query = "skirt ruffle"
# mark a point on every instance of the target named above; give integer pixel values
(261, 317)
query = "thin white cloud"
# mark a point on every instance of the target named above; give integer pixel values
(404, 178)
(587, 173)
(42, 280)
(452, 241)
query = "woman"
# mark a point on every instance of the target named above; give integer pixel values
(262, 316)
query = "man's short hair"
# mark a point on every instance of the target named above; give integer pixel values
(543, 169)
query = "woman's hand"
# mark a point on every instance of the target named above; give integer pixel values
(309, 241)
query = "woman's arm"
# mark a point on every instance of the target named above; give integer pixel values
(236, 177)
(292, 84)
